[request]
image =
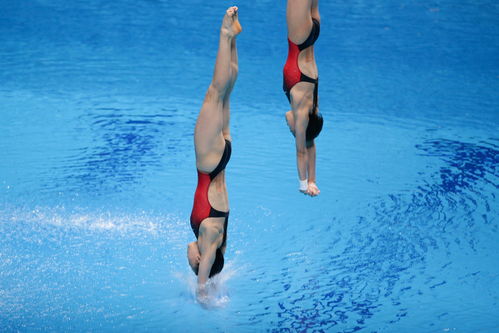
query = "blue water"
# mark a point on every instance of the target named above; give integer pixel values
(98, 101)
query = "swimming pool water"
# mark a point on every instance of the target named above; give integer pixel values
(98, 102)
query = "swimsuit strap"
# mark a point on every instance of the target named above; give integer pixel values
(223, 160)
(312, 37)
(217, 213)
(306, 78)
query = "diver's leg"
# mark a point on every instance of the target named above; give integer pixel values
(207, 136)
(226, 101)
(315, 10)
(299, 20)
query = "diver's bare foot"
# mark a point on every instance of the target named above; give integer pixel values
(313, 190)
(230, 25)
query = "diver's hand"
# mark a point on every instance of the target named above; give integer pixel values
(312, 189)
(202, 293)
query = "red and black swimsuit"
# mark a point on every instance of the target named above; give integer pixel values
(202, 208)
(292, 72)
(293, 75)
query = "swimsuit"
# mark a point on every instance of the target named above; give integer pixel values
(292, 72)
(202, 208)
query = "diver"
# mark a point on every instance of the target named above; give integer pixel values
(301, 85)
(212, 143)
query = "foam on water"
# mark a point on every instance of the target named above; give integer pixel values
(217, 288)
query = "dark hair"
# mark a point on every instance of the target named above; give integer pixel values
(314, 127)
(218, 264)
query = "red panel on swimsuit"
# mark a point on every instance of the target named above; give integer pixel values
(202, 207)
(292, 73)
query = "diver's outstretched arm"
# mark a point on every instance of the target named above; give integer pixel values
(313, 190)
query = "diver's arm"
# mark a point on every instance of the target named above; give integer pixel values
(301, 122)
(205, 264)
(208, 244)
(313, 190)
(311, 153)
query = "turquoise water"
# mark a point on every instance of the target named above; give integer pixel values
(98, 102)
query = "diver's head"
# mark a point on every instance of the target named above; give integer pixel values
(218, 264)
(314, 127)
(194, 257)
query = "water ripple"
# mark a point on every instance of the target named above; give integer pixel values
(388, 254)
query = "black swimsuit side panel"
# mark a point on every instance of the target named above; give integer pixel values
(223, 161)
(303, 78)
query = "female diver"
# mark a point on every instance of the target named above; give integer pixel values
(212, 143)
(301, 83)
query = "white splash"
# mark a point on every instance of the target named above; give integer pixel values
(217, 291)
(98, 221)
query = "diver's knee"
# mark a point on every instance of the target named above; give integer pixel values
(234, 69)
(215, 92)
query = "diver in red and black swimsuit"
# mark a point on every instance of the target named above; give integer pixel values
(210, 211)
(301, 85)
